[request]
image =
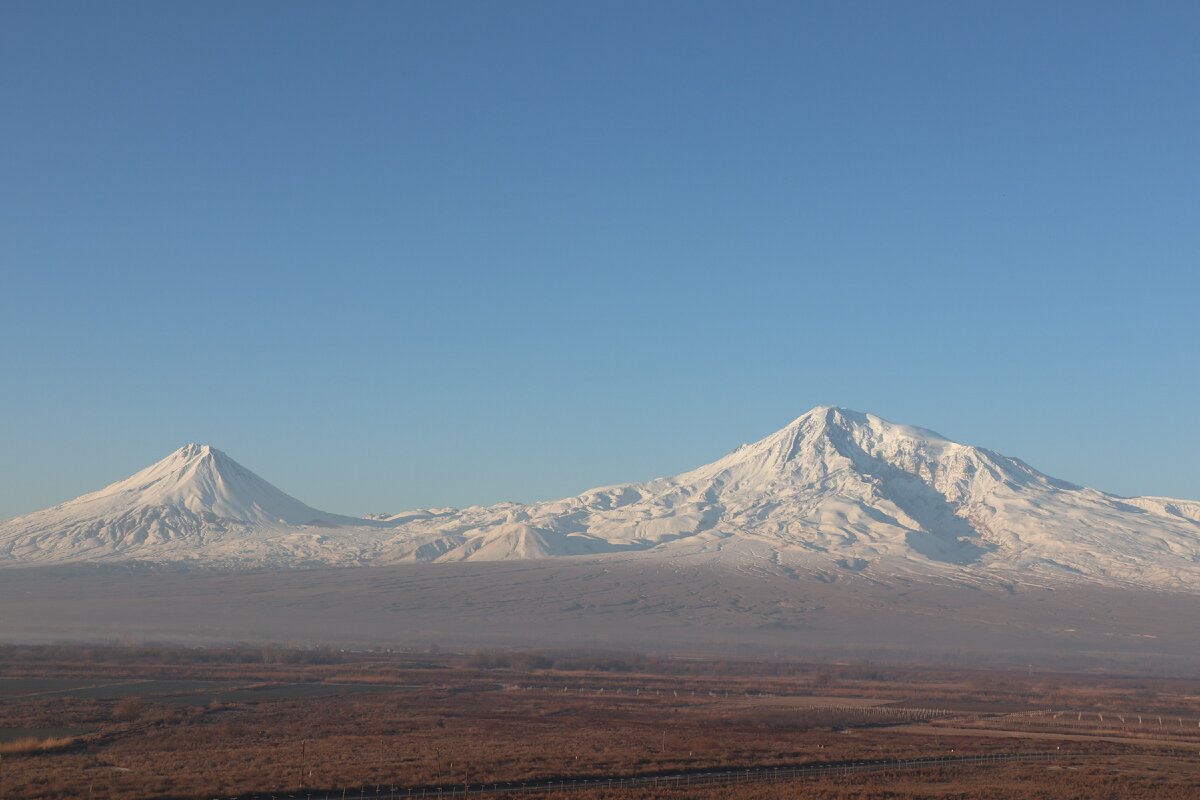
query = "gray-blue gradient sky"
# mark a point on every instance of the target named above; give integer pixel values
(404, 254)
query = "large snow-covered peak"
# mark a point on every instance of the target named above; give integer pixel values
(830, 441)
(822, 442)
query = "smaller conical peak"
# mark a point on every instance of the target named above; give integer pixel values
(187, 463)
(201, 480)
(191, 460)
(195, 451)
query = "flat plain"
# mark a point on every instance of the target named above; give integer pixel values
(174, 722)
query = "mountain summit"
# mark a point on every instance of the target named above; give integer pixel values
(178, 508)
(206, 482)
(835, 490)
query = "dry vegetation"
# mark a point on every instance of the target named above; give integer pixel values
(1118, 778)
(35, 744)
(150, 725)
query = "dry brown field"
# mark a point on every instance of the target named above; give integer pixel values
(140, 722)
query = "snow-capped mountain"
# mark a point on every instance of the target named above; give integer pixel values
(196, 504)
(833, 491)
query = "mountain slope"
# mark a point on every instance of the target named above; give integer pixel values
(195, 504)
(834, 492)
(840, 489)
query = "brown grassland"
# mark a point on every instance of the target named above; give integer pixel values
(203, 723)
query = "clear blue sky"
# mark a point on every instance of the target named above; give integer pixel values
(403, 254)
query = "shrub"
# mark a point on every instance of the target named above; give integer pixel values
(128, 709)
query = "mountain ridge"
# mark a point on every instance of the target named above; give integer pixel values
(834, 487)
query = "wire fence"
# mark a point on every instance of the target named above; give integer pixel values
(720, 777)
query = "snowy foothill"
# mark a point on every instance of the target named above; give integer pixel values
(835, 491)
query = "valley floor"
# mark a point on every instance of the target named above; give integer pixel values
(142, 722)
(701, 604)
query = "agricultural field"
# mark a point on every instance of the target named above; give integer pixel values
(126, 722)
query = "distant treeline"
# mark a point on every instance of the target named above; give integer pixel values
(570, 660)
(167, 654)
(391, 662)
